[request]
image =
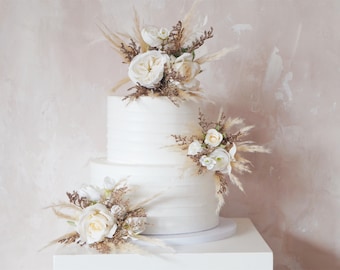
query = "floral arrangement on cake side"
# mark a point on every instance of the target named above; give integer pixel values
(163, 62)
(218, 148)
(103, 218)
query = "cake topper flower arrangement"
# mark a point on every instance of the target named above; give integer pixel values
(163, 62)
(218, 148)
(103, 218)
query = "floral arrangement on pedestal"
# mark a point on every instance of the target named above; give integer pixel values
(218, 148)
(103, 218)
(163, 62)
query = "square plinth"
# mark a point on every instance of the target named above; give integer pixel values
(244, 250)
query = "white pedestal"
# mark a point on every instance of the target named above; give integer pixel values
(245, 250)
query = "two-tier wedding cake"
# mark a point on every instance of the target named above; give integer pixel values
(167, 167)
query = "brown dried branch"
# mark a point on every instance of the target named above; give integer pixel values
(140, 91)
(71, 238)
(198, 42)
(202, 121)
(182, 140)
(74, 198)
(174, 44)
(223, 183)
(138, 212)
(129, 51)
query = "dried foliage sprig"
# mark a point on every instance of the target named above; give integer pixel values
(219, 149)
(174, 42)
(102, 218)
(129, 51)
(163, 62)
(198, 42)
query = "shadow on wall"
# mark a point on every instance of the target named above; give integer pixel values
(304, 255)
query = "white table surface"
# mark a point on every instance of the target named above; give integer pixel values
(245, 250)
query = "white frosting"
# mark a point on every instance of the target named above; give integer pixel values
(140, 132)
(182, 202)
(139, 150)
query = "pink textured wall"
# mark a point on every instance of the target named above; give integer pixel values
(284, 78)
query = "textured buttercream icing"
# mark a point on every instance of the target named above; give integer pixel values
(139, 149)
(139, 131)
(182, 202)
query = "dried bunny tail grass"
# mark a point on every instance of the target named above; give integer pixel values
(252, 148)
(190, 96)
(230, 122)
(126, 247)
(154, 241)
(234, 179)
(65, 239)
(241, 166)
(138, 33)
(187, 22)
(115, 39)
(63, 215)
(126, 50)
(215, 56)
(245, 130)
(120, 84)
(64, 206)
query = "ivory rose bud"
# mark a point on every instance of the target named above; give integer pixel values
(188, 69)
(194, 148)
(163, 33)
(153, 36)
(90, 192)
(213, 138)
(232, 151)
(109, 183)
(222, 159)
(96, 223)
(207, 162)
(147, 68)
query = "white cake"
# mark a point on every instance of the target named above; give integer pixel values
(167, 167)
(140, 148)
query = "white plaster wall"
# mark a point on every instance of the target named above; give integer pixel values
(56, 70)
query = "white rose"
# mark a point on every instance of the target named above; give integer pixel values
(147, 69)
(213, 138)
(207, 162)
(194, 148)
(90, 192)
(222, 159)
(96, 223)
(153, 36)
(188, 69)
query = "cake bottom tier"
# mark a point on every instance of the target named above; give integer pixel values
(182, 202)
